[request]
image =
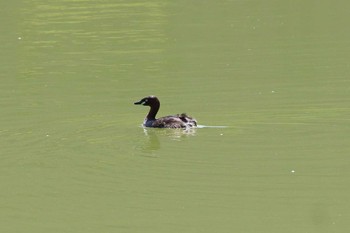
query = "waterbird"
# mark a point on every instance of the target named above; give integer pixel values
(173, 121)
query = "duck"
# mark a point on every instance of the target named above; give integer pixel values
(173, 121)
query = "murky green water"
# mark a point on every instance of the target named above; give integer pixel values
(75, 159)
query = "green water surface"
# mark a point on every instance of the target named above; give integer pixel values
(74, 157)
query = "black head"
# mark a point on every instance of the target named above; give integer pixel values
(148, 101)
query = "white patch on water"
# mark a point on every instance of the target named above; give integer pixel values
(211, 126)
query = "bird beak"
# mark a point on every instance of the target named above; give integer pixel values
(139, 102)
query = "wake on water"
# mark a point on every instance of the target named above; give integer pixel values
(211, 126)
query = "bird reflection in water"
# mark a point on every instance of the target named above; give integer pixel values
(152, 144)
